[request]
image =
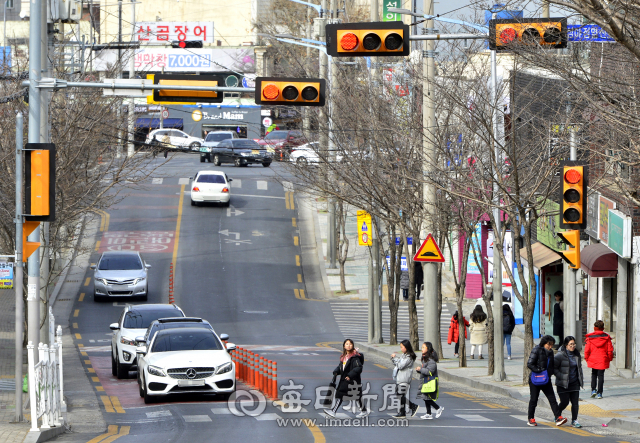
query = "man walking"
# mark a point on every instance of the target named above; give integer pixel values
(598, 353)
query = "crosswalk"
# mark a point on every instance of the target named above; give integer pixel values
(352, 319)
(236, 183)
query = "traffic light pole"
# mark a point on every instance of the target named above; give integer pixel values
(19, 269)
(572, 304)
(132, 72)
(331, 234)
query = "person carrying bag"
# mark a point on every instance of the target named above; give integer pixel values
(349, 369)
(430, 389)
(402, 374)
(540, 363)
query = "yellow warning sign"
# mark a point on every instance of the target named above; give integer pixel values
(364, 228)
(429, 251)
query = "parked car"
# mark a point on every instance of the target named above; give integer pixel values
(210, 186)
(185, 360)
(133, 322)
(211, 141)
(241, 152)
(305, 154)
(120, 274)
(177, 139)
(282, 142)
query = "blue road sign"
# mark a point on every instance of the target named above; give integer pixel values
(588, 33)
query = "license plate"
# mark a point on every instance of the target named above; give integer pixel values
(190, 382)
(204, 149)
(255, 152)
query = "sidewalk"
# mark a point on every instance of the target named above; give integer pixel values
(620, 407)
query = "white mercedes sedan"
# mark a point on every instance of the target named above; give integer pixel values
(185, 361)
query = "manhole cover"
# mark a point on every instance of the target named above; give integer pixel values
(256, 312)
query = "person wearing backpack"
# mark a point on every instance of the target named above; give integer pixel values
(508, 325)
(541, 364)
(349, 370)
(429, 372)
(402, 374)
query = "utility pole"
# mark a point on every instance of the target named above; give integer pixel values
(19, 269)
(119, 143)
(33, 265)
(132, 73)
(572, 274)
(430, 296)
(306, 120)
(331, 233)
(545, 9)
(498, 333)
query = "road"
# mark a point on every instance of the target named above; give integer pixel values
(239, 268)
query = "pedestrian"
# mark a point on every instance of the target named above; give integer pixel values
(402, 374)
(558, 316)
(404, 284)
(166, 142)
(598, 353)
(569, 380)
(478, 330)
(541, 363)
(349, 369)
(429, 370)
(454, 332)
(418, 276)
(508, 325)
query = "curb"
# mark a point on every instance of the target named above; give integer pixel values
(308, 202)
(43, 435)
(79, 231)
(624, 425)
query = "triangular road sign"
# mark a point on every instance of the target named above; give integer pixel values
(429, 251)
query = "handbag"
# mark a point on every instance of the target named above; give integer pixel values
(540, 378)
(327, 401)
(429, 385)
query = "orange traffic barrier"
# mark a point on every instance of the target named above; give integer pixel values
(241, 361)
(263, 374)
(275, 380)
(251, 378)
(269, 379)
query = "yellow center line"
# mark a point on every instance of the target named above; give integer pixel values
(75, 326)
(78, 336)
(111, 430)
(302, 296)
(81, 297)
(575, 431)
(286, 200)
(106, 223)
(87, 281)
(116, 404)
(175, 244)
(296, 292)
(318, 436)
(107, 403)
(297, 260)
(102, 219)
(97, 245)
(293, 222)
(295, 240)
(76, 312)
(299, 278)
(124, 430)
(87, 362)
(380, 366)
(293, 205)
(80, 345)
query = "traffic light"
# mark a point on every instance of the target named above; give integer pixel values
(173, 96)
(573, 195)
(28, 247)
(290, 91)
(572, 254)
(505, 34)
(40, 180)
(186, 44)
(380, 39)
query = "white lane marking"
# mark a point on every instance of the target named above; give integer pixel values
(221, 411)
(515, 428)
(156, 414)
(196, 418)
(472, 417)
(262, 185)
(267, 417)
(157, 181)
(233, 212)
(236, 183)
(259, 196)
(288, 186)
(525, 418)
(183, 181)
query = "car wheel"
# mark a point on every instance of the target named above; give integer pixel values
(140, 390)
(216, 161)
(238, 162)
(302, 161)
(266, 164)
(122, 371)
(193, 203)
(194, 146)
(114, 369)
(208, 158)
(147, 398)
(202, 159)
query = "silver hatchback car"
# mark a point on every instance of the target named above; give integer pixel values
(121, 274)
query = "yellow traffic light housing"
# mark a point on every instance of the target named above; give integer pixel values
(40, 180)
(177, 96)
(572, 254)
(507, 34)
(28, 247)
(380, 39)
(573, 195)
(290, 91)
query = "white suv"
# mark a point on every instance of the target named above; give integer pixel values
(133, 322)
(177, 139)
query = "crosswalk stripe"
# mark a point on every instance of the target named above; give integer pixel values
(157, 181)
(272, 416)
(196, 418)
(472, 417)
(236, 183)
(262, 185)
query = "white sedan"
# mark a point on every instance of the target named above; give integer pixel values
(210, 186)
(185, 361)
(305, 154)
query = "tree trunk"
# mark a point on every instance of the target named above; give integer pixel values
(439, 345)
(342, 242)
(393, 292)
(462, 353)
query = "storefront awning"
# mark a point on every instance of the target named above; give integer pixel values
(599, 261)
(542, 256)
(154, 123)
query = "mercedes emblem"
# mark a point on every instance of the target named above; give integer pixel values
(191, 373)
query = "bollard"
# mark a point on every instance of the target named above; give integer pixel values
(265, 375)
(250, 378)
(261, 369)
(269, 379)
(243, 362)
(239, 363)
(274, 381)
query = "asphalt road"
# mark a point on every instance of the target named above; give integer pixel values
(239, 268)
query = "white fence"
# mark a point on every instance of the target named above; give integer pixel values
(45, 383)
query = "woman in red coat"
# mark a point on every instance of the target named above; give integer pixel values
(598, 353)
(454, 332)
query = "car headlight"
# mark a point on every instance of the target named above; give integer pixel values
(102, 280)
(127, 341)
(224, 368)
(138, 280)
(154, 370)
(245, 154)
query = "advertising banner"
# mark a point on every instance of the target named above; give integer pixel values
(175, 32)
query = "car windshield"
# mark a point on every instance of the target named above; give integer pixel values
(187, 340)
(276, 135)
(141, 319)
(176, 325)
(217, 136)
(210, 178)
(248, 144)
(120, 263)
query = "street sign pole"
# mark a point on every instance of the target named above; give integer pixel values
(18, 276)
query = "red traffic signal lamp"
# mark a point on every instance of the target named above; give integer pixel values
(290, 91)
(506, 34)
(572, 254)
(379, 39)
(573, 195)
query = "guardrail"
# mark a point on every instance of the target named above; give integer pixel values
(256, 371)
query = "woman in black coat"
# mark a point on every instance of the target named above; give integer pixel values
(569, 380)
(350, 383)
(541, 359)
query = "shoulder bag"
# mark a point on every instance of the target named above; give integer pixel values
(429, 385)
(540, 378)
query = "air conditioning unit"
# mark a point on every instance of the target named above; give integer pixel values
(65, 11)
